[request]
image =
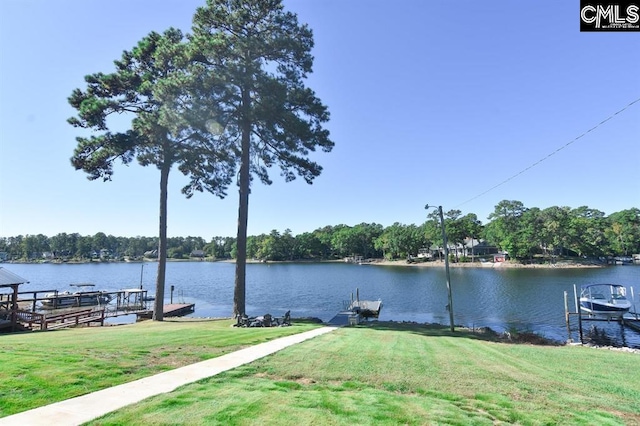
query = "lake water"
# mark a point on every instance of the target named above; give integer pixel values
(500, 298)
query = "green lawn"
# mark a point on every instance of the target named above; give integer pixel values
(376, 374)
(43, 367)
(408, 375)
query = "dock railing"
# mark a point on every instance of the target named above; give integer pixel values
(62, 320)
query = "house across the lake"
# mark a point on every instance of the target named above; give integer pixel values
(197, 253)
(470, 247)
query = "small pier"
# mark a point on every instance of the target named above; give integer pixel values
(126, 301)
(632, 323)
(37, 321)
(366, 308)
(355, 310)
(31, 315)
(171, 310)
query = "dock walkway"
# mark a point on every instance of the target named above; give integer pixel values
(84, 408)
(632, 323)
(171, 310)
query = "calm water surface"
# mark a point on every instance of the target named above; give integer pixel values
(524, 299)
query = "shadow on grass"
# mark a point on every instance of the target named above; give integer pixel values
(481, 333)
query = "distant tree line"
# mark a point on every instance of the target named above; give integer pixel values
(107, 247)
(512, 228)
(521, 232)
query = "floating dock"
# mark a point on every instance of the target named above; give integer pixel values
(171, 310)
(356, 309)
(366, 308)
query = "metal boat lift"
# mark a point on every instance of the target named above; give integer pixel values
(630, 320)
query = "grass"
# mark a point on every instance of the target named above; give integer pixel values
(45, 367)
(381, 373)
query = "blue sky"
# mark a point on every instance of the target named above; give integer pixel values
(431, 102)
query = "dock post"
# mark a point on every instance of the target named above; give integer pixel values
(141, 271)
(567, 316)
(579, 311)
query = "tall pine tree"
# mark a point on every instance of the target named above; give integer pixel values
(152, 83)
(258, 56)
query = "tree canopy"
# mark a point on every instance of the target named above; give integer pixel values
(151, 84)
(254, 56)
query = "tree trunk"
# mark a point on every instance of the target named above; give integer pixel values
(239, 293)
(158, 305)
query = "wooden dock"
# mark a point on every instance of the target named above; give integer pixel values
(71, 318)
(172, 310)
(366, 308)
(30, 315)
(355, 310)
(632, 323)
(121, 302)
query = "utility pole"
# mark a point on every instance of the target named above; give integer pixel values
(446, 266)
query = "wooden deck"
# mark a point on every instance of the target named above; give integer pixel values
(172, 310)
(366, 308)
(356, 311)
(34, 320)
(633, 324)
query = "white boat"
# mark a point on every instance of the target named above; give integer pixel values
(67, 299)
(607, 300)
(137, 294)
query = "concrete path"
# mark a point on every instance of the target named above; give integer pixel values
(84, 408)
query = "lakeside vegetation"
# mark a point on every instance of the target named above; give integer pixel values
(522, 232)
(378, 373)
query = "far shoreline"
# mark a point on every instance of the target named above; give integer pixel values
(509, 264)
(494, 265)
(440, 263)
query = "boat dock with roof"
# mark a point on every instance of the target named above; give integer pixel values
(54, 309)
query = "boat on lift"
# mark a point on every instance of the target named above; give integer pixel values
(608, 300)
(82, 297)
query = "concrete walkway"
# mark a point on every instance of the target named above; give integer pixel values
(84, 408)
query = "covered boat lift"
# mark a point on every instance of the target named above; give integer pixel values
(9, 301)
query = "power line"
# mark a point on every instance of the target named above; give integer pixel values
(549, 155)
